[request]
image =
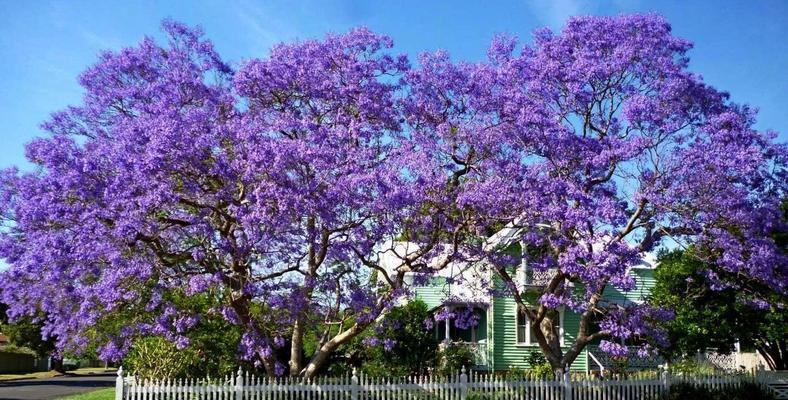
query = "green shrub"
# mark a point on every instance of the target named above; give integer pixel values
(747, 391)
(538, 365)
(489, 396)
(414, 350)
(453, 358)
(691, 367)
(156, 358)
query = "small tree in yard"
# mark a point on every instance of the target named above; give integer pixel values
(707, 318)
(718, 317)
(274, 187)
(399, 345)
(27, 332)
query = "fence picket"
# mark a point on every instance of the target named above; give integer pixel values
(460, 385)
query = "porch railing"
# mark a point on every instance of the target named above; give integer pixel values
(604, 361)
(479, 351)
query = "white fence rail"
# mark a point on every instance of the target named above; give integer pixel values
(463, 386)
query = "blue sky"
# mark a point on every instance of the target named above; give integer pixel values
(740, 46)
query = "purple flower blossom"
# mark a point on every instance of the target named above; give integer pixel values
(616, 350)
(279, 369)
(185, 323)
(181, 342)
(198, 284)
(229, 315)
(388, 344)
(466, 318)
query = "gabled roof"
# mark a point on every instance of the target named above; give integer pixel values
(464, 283)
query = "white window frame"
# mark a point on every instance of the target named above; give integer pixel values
(527, 326)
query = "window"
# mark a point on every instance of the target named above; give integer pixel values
(525, 335)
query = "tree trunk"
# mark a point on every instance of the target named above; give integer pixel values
(57, 364)
(549, 344)
(321, 355)
(775, 354)
(296, 346)
(241, 307)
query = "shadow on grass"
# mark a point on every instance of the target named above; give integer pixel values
(97, 380)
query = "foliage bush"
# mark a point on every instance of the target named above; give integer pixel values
(157, 358)
(747, 391)
(25, 332)
(212, 348)
(538, 366)
(453, 358)
(12, 348)
(690, 367)
(717, 318)
(399, 346)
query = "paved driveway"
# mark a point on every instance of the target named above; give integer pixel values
(53, 388)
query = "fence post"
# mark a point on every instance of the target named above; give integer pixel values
(463, 384)
(567, 384)
(119, 384)
(665, 382)
(760, 377)
(354, 389)
(239, 385)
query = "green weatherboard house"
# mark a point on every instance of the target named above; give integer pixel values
(501, 340)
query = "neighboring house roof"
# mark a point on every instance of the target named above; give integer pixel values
(464, 282)
(3, 339)
(461, 282)
(649, 261)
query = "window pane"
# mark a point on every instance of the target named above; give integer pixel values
(520, 333)
(533, 335)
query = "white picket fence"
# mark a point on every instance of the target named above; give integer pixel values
(463, 386)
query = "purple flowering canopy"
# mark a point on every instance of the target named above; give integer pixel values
(274, 185)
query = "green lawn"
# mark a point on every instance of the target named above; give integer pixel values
(103, 394)
(91, 371)
(49, 374)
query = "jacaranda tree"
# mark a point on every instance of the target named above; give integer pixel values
(273, 187)
(266, 187)
(594, 146)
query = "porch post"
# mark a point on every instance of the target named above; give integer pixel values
(447, 322)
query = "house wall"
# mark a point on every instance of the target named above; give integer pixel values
(644, 281)
(433, 293)
(503, 352)
(506, 353)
